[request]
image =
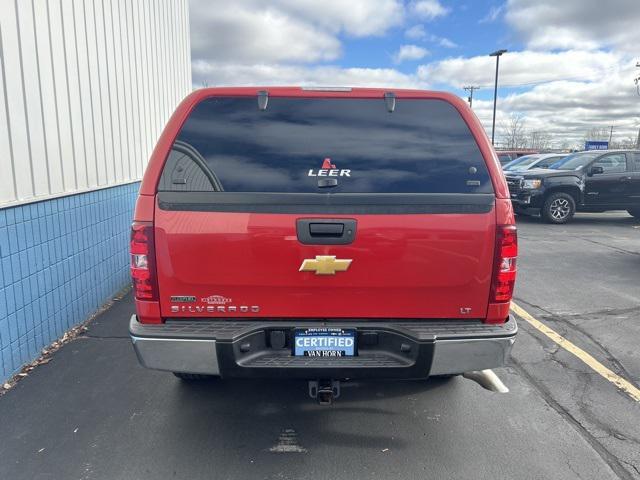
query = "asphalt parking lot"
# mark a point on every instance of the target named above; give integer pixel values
(94, 413)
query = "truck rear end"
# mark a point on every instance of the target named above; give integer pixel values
(323, 234)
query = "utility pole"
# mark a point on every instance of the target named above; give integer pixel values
(496, 54)
(637, 80)
(470, 89)
(610, 135)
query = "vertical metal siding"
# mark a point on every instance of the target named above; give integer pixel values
(86, 87)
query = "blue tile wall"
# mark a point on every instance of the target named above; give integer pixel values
(60, 260)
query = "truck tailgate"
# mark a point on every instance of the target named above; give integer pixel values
(402, 266)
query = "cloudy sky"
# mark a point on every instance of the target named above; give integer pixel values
(570, 65)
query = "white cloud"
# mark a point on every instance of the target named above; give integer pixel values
(577, 24)
(284, 30)
(567, 110)
(409, 52)
(252, 42)
(225, 74)
(428, 9)
(356, 17)
(444, 42)
(577, 90)
(417, 32)
(493, 14)
(237, 32)
(524, 67)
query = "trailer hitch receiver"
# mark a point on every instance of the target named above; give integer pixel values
(324, 391)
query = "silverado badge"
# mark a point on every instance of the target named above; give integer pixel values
(325, 265)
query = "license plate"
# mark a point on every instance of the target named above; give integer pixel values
(324, 342)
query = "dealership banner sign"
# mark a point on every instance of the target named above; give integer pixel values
(593, 145)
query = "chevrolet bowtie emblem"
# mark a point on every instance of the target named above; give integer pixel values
(325, 265)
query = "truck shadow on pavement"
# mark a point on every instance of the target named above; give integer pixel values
(256, 412)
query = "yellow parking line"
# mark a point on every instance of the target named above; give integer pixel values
(618, 381)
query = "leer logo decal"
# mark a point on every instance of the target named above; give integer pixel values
(325, 265)
(328, 169)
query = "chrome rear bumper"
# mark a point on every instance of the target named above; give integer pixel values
(402, 349)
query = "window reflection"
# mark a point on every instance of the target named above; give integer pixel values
(423, 146)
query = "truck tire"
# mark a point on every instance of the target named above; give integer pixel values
(192, 377)
(634, 212)
(558, 208)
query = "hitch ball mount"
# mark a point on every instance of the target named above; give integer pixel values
(324, 391)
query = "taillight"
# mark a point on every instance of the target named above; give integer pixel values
(504, 270)
(143, 271)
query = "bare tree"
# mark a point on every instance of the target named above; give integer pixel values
(513, 132)
(598, 134)
(539, 140)
(565, 145)
(627, 143)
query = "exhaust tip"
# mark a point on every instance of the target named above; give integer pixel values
(488, 380)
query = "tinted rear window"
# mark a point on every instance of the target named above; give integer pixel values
(325, 145)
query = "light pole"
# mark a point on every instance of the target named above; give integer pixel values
(496, 54)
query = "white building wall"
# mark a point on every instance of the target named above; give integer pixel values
(86, 87)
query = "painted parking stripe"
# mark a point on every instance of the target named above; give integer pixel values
(617, 380)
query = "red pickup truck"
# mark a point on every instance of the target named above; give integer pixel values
(323, 234)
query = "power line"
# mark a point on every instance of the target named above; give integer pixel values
(470, 89)
(541, 82)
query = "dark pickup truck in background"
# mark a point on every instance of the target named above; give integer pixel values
(584, 182)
